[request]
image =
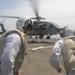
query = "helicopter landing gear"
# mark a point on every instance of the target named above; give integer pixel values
(41, 36)
(48, 37)
(36, 37)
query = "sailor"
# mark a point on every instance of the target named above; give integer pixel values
(13, 46)
(65, 47)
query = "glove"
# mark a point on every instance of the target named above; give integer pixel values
(59, 70)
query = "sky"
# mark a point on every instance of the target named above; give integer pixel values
(61, 12)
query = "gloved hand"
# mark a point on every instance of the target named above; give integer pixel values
(59, 70)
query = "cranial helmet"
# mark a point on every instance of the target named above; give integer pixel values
(68, 31)
(23, 22)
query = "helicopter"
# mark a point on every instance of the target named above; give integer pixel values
(43, 28)
(40, 27)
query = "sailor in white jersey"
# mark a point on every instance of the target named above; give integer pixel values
(65, 47)
(13, 47)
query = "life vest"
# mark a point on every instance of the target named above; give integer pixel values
(21, 54)
(68, 53)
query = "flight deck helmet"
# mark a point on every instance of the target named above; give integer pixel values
(67, 31)
(24, 23)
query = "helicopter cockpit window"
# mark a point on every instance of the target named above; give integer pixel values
(51, 25)
(56, 25)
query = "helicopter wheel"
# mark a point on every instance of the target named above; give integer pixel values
(41, 36)
(48, 37)
(36, 37)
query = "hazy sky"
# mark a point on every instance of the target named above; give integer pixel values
(53, 10)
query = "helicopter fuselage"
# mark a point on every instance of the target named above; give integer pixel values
(43, 28)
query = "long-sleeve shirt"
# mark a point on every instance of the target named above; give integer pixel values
(11, 48)
(54, 59)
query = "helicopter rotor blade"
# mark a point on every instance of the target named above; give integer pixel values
(34, 4)
(39, 18)
(1, 16)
